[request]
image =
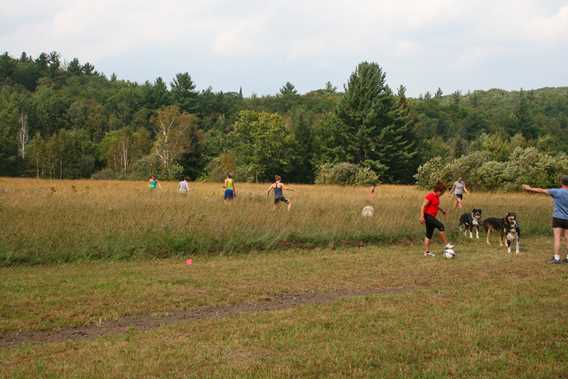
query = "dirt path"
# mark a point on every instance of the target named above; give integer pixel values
(146, 322)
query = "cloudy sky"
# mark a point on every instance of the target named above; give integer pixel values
(260, 44)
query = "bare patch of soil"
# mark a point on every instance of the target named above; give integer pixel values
(146, 321)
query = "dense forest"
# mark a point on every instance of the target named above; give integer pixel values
(62, 119)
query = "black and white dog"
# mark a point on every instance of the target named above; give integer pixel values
(470, 221)
(509, 228)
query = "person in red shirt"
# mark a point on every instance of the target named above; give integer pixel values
(428, 213)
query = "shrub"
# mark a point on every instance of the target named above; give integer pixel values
(430, 173)
(524, 165)
(219, 167)
(346, 174)
(106, 174)
(150, 165)
(491, 175)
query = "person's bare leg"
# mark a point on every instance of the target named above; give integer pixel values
(458, 203)
(289, 205)
(426, 245)
(557, 236)
(566, 241)
(444, 238)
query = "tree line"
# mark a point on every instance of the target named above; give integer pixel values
(67, 120)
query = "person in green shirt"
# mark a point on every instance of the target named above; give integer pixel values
(153, 183)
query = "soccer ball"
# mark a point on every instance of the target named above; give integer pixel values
(368, 211)
(449, 253)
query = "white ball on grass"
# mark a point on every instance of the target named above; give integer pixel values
(449, 253)
(368, 211)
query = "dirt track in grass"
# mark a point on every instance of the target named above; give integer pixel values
(148, 321)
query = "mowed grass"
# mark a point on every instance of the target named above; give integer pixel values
(64, 221)
(86, 253)
(482, 315)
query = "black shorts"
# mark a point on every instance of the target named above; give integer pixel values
(281, 199)
(459, 196)
(432, 223)
(559, 223)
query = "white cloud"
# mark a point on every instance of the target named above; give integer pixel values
(264, 43)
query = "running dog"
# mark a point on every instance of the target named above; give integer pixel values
(470, 221)
(509, 228)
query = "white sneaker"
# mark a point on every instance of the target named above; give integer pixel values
(449, 246)
(429, 254)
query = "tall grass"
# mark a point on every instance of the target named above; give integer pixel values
(59, 221)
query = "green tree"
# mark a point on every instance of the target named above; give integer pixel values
(377, 128)
(119, 149)
(302, 166)
(184, 94)
(523, 120)
(261, 144)
(288, 89)
(67, 154)
(174, 131)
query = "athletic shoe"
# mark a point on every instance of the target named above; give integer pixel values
(429, 254)
(449, 246)
(555, 261)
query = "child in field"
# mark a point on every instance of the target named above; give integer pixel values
(559, 215)
(230, 188)
(458, 189)
(153, 183)
(428, 212)
(183, 186)
(278, 188)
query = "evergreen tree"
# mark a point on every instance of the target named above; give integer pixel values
(439, 93)
(377, 127)
(303, 147)
(523, 121)
(288, 89)
(183, 92)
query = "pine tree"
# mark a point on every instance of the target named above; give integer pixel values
(523, 121)
(378, 128)
(183, 92)
(303, 147)
(288, 90)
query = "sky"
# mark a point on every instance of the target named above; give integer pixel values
(261, 44)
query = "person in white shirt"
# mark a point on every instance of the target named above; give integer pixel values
(183, 186)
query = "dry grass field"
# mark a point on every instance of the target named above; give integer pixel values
(63, 221)
(94, 285)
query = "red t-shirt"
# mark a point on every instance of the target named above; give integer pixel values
(433, 204)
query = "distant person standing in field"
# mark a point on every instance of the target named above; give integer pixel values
(559, 215)
(153, 183)
(373, 190)
(183, 186)
(428, 212)
(278, 188)
(458, 189)
(230, 188)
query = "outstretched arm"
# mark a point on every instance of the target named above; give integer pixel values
(528, 188)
